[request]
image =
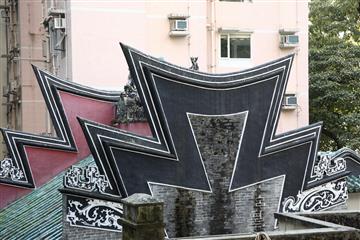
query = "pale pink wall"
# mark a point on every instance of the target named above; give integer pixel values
(98, 27)
(264, 18)
(177, 49)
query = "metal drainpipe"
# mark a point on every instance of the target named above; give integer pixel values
(17, 71)
(8, 64)
(189, 36)
(67, 42)
(296, 67)
(213, 36)
(7, 22)
(211, 28)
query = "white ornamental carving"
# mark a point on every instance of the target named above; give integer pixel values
(87, 178)
(319, 198)
(9, 170)
(329, 166)
(94, 213)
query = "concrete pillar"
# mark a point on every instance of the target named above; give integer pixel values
(143, 218)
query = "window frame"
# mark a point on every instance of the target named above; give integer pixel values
(229, 34)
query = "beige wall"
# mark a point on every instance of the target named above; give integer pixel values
(353, 202)
(32, 106)
(3, 75)
(26, 109)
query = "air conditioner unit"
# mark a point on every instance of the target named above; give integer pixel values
(290, 102)
(59, 23)
(179, 25)
(289, 41)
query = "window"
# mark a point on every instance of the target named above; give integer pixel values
(235, 46)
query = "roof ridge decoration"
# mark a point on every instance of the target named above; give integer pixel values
(94, 213)
(8, 170)
(319, 198)
(16, 141)
(170, 94)
(87, 178)
(333, 163)
(129, 107)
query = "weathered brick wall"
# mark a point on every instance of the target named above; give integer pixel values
(191, 213)
(76, 233)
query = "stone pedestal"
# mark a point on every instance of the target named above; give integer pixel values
(143, 218)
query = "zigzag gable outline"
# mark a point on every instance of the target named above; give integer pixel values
(17, 140)
(103, 140)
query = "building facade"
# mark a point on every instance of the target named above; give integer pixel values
(226, 36)
(22, 35)
(79, 41)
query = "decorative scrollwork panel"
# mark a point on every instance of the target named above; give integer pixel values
(318, 198)
(87, 178)
(10, 171)
(93, 213)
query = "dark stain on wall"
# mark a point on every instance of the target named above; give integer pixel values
(184, 212)
(218, 139)
(194, 213)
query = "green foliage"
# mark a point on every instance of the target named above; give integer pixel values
(333, 21)
(334, 70)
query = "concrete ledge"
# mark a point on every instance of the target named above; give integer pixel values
(296, 221)
(344, 218)
(302, 226)
(311, 234)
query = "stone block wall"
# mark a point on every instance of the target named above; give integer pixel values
(76, 233)
(193, 213)
(189, 213)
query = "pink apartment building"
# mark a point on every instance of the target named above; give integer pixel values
(78, 40)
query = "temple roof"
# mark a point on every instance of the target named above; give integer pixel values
(37, 215)
(353, 183)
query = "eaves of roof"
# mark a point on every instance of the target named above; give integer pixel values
(37, 215)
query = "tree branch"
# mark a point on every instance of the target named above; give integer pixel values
(333, 136)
